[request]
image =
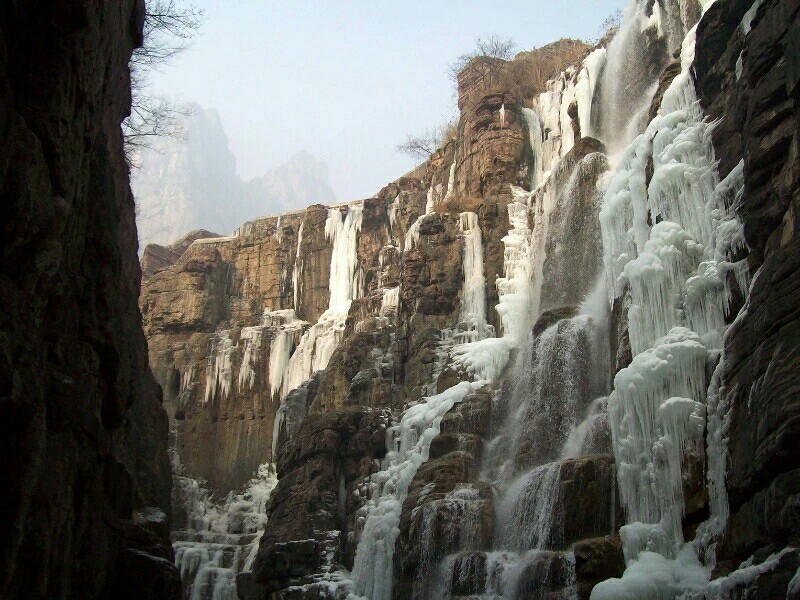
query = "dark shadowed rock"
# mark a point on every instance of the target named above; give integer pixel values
(596, 560)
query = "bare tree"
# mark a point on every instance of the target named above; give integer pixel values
(494, 48)
(168, 27)
(608, 26)
(422, 147)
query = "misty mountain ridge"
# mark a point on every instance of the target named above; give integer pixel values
(191, 182)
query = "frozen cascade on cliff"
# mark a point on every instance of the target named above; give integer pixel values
(518, 291)
(220, 538)
(408, 444)
(320, 341)
(297, 270)
(251, 336)
(473, 298)
(219, 370)
(584, 89)
(434, 198)
(676, 271)
(535, 139)
(283, 324)
(281, 349)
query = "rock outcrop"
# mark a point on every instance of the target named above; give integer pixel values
(757, 101)
(85, 473)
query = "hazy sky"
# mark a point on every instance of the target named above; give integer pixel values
(346, 81)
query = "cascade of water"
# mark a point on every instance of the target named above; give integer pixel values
(473, 296)
(535, 140)
(408, 444)
(675, 271)
(527, 509)
(532, 575)
(651, 33)
(220, 538)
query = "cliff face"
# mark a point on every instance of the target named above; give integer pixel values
(485, 358)
(758, 101)
(86, 477)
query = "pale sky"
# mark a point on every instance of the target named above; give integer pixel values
(347, 80)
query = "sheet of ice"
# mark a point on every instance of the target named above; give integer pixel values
(584, 89)
(297, 271)
(473, 290)
(676, 270)
(251, 338)
(320, 341)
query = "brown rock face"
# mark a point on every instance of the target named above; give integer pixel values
(203, 300)
(320, 469)
(83, 433)
(156, 258)
(596, 560)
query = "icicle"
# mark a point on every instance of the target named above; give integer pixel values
(298, 268)
(219, 370)
(251, 336)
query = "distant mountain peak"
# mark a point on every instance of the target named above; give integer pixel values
(191, 183)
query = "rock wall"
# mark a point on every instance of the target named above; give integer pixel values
(86, 477)
(761, 123)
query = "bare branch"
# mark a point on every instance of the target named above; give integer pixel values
(422, 147)
(493, 47)
(168, 27)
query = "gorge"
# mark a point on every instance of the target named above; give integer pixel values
(557, 360)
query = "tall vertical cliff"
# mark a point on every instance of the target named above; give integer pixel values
(86, 478)
(555, 361)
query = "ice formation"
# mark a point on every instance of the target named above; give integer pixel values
(222, 537)
(408, 443)
(676, 273)
(219, 368)
(320, 341)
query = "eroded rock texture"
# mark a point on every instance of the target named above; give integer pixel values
(85, 472)
(760, 123)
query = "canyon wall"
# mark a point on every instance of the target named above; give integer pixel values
(749, 79)
(447, 375)
(86, 477)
